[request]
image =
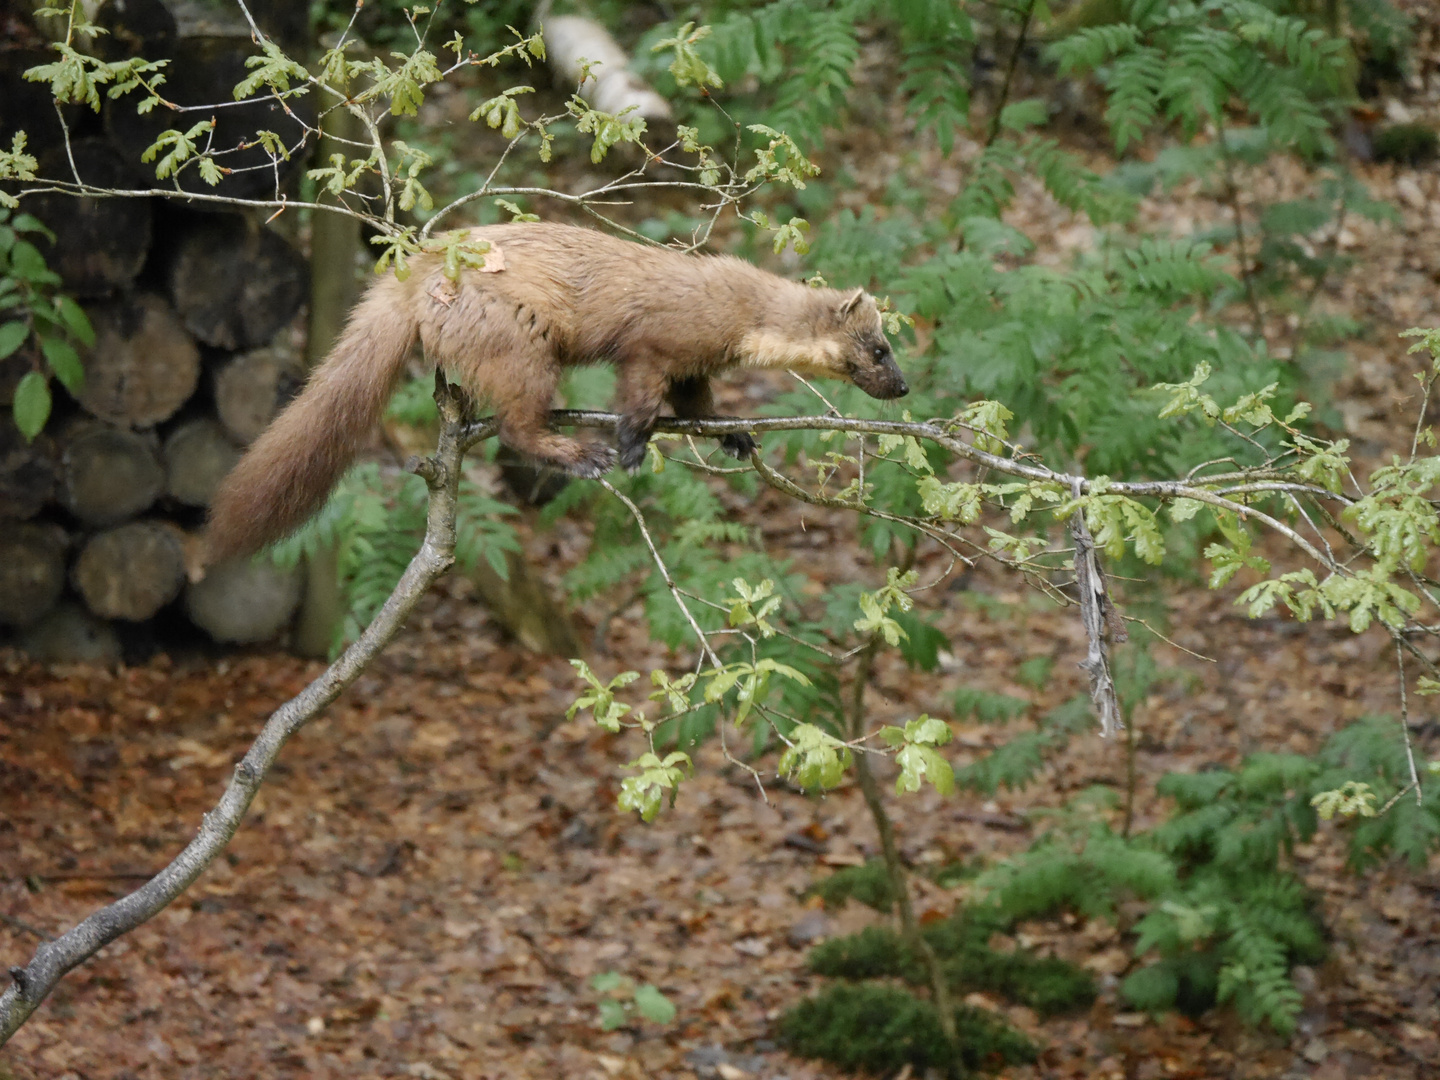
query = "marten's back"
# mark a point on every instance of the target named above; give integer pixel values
(601, 296)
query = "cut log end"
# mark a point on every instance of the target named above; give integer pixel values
(28, 473)
(197, 455)
(100, 244)
(236, 283)
(143, 365)
(244, 601)
(251, 390)
(71, 635)
(32, 572)
(130, 572)
(108, 475)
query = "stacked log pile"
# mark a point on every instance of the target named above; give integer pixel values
(195, 308)
(194, 311)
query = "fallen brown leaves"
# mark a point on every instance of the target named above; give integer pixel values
(425, 887)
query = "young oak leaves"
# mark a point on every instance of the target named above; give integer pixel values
(813, 758)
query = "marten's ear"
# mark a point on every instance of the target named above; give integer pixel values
(852, 302)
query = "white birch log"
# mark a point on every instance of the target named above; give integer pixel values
(571, 41)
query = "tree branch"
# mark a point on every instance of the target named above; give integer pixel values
(1094, 601)
(943, 433)
(32, 983)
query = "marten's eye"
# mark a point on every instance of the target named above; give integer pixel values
(879, 352)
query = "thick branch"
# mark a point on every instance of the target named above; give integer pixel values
(53, 959)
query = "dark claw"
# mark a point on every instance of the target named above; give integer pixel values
(739, 445)
(632, 447)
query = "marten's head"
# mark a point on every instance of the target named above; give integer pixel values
(865, 354)
(831, 335)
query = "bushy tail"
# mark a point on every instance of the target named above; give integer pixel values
(289, 470)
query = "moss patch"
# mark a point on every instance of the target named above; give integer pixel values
(878, 1028)
(1046, 984)
(870, 884)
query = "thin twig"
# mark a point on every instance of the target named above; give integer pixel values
(1232, 197)
(1169, 640)
(707, 651)
(1405, 724)
(1427, 384)
(1332, 245)
(22, 925)
(894, 867)
(1397, 797)
(994, 132)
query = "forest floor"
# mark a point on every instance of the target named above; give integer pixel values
(429, 880)
(436, 867)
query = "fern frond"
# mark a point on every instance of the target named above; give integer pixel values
(989, 190)
(1171, 270)
(823, 54)
(1311, 51)
(1282, 106)
(1087, 49)
(933, 76)
(1202, 71)
(1134, 82)
(1074, 186)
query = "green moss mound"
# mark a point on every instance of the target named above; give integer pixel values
(878, 1029)
(1046, 984)
(870, 884)
(1406, 144)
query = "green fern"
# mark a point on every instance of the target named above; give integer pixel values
(374, 521)
(1185, 61)
(936, 38)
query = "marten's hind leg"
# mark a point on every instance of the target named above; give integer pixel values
(524, 426)
(521, 387)
(692, 399)
(500, 350)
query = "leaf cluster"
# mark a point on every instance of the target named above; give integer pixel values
(879, 1029)
(961, 943)
(1187, 61)
(33, 310)
(621, 999)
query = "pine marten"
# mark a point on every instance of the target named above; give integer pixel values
(565, 296)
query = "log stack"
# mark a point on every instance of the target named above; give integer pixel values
(196, 348)
(100, 515)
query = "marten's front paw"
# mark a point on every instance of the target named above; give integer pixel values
(632, 455)
(632, 447)
(592, 462)
(739, 445)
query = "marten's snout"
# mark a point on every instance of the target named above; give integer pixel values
(878, 374)
(897, 389)
(896, 382)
